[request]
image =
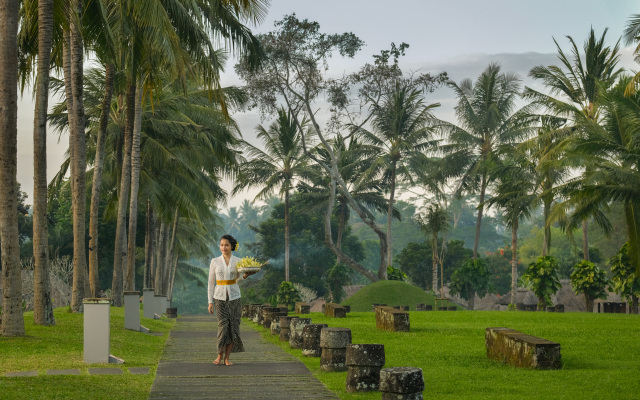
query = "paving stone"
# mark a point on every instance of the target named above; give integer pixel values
(63, 372)
(139, 370)
(21, 374)
(105, 371)
(263, 371)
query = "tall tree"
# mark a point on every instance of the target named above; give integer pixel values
(12, 319)
(42, 302)
(435, 222)
(575, 89)
(485, 111)
(277, 168)
(402, 131)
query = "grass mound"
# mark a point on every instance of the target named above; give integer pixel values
(391, 293)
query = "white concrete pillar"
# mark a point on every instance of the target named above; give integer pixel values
(132, 310)
(96, 330)
(159, 304)
(148, 303)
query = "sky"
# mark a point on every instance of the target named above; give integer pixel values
(461, 37)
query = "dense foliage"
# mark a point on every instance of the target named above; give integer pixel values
(542, 275)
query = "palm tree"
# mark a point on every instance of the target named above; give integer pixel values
(354, 160)
(42, 302)
(487, 119)
(516, 197)
(12, 320)
(578, 83)
(401, 130)
(436, 221)
(277, 168)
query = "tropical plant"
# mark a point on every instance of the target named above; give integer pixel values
(395, 274)
(578, 86)
(277, 167)
(401, 130)
(589, 280)
(624, 281)
(288, 294)
(488, 119)
(471, 278)
(542, 275)
(436, 221)
(337, 277)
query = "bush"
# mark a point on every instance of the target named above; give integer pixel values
(470, 279)
(395, 274)
(543, 277)
(288, 294)
(590, 280)
(336, 278)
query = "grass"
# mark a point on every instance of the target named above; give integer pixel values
(392, 293)
(61, 347)
(599, 351)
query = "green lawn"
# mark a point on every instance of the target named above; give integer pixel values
(601, 354)
(61, 346)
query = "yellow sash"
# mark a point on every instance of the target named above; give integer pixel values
(229, 282)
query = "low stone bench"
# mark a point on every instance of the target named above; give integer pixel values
(311, 340)
(364, 362)
(295, 335)
(171, 312)
(424, 307)
(285, 328)
(452, 308)
(333, 342)
(614, 307)
(521, 350)
(390, 319)
(443, 308)
(555, 308)
(334, 310)
(404, 383)
(374, 305)
(302, 308)
(526, 307)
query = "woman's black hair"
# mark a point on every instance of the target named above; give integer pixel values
(232, 241)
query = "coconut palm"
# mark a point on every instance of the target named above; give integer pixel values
(354, 160)
(277, 168)
(575, 89)
(435, 221)
(401, 129)
(488, 118)
(12, 323)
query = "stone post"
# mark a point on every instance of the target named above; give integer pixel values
(148, 303)
(401, 383)
(295, 335)
(96, 330)
(333, 342)
(285, 328)
(364, 362)
(132, 310)
(158, 305)
(311, 340)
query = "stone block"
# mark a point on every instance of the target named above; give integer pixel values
(295, 335)
(302, 308)
(311, 340)
(285, 328)
(371, 355)
(390, 319)
(334, 310)
(521, 350)
(374, 305)
(401, 383)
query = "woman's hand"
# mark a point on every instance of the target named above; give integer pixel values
(210, 308)
(248, 274)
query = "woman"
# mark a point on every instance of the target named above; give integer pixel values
(224, 294)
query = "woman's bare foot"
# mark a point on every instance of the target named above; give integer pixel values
(217, 361)
(228, 363)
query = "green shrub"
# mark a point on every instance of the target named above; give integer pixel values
(288, 294)
(543, 277)
(590, 280)
(395, 274)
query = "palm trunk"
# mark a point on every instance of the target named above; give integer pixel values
(171, 251)
(42, 303)
(286, 236)
(94, 281)
(585, 241)
(78, 162)
(341, 225)
(434, 259)
(12, 319)
(130, 284)
(159, 260)
(148, 248)
(476, 242)
(392, 192)
(546, 244)
(174, 267)
(166, 268)
(634, 305)
(120, 250)
(514, 261)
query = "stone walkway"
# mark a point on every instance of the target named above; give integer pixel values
(263, 371)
